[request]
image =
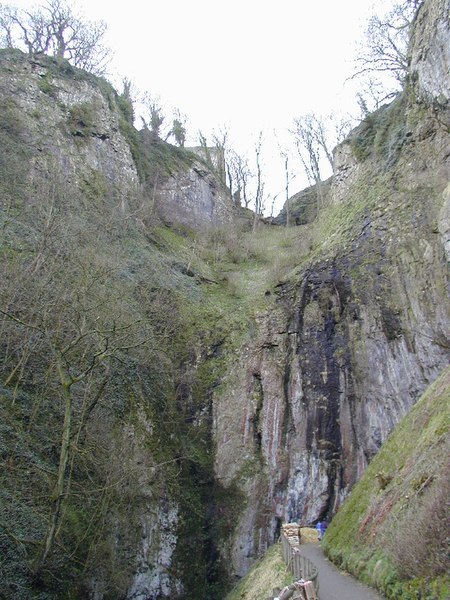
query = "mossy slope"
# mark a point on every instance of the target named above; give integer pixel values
(391, 530)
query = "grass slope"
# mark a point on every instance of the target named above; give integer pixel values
(268, 573)
(391, 531)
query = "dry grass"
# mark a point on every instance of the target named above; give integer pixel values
(268, 573)
(308, 535)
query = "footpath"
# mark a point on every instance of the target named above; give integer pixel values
(333, 583)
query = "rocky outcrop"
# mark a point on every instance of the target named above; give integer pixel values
(152, 578)
(430, 52)
(69, 123)
(75, 125)
(194, 197)
(444, 223)
(304, 205)
(403, 491)
(345, 171)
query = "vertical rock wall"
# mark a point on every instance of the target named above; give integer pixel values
(66, 152)
(360, 333)
(349, 349)
(195, 198)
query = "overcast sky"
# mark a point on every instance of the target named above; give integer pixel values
(243, 64)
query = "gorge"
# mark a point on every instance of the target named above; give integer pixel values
(175, 385)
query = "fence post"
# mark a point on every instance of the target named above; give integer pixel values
(300, 566)
(297, 564)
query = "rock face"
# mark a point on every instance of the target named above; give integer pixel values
(430, 52)
(65, 116)
(444, 223)
(194, 198)
(91, 142)
(155, 553)
(321, 379)
(363, 330)
(303, 206)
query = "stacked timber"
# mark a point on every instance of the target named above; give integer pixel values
(292, 532)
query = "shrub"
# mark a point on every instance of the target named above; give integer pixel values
(46, 86)
(81, 119)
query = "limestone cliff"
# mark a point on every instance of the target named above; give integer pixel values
(209, 400)
(64, 114)
(86, 259)
(361, 329)
(195, 198)
(403, 492)
(430, 53)
(69, 118)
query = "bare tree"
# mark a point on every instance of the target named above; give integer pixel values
(308, 149)
(259, 190)
(285, 156)
(55, 29)
(63, 322)
(29, 29)
(7, 26)
(79, 354)
(239, 175)
(384, 56)
(315, 137)
(72, 329)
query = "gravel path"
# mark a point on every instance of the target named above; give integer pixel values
(335, 584)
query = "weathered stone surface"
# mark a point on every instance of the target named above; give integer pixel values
(194, 198)
(67, 118)
(345, 171)
(152, 578)
(71, 122)
(322, 379)
(350, 349)
(444, 223)
(430, 52)
(304, 205)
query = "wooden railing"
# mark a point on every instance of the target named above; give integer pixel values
(301, 567)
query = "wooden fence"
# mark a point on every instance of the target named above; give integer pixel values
(302, 568)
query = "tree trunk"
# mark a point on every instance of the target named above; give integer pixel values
(58, 491)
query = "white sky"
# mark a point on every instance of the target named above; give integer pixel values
(246, 65)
